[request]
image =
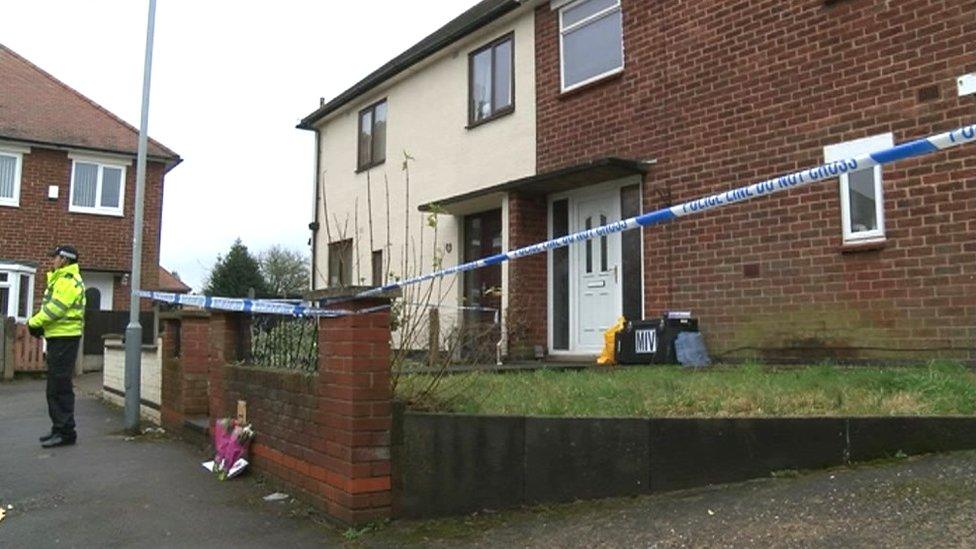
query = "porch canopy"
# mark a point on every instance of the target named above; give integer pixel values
(561, 180)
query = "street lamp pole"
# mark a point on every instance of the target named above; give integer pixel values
(133, 332)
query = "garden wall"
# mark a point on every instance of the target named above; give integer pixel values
(325, 434)
(454, 464)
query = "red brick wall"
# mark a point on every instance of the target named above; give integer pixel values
(104, 242)
(724, 94)
(527, 317)
(326, 434)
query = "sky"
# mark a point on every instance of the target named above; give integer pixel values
(230, 80)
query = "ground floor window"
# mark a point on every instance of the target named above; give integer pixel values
(377, 268)
(560, 277)
(16, 291)
(630, 257)
(861, 197)
(340, 263)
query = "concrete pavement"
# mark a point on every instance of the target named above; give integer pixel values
(111, 492)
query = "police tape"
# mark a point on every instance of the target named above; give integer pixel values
(253, 306)
(831, 170)
(912, 149)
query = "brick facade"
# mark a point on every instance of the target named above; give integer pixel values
(725, 94)
(527, 318)
(28, 232)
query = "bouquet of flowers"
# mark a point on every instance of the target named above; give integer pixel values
(231, 442)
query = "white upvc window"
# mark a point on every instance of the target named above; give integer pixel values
(861, 192)
(11, 167)
(591, 44)
(16, 291)
(97, 186)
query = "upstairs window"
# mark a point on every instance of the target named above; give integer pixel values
(10, 168)
(590, 41)
(372, 136)
(97, 187)
(491, 81)
(861, 197)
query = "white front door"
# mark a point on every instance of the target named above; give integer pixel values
(99, 290)
(597, 271)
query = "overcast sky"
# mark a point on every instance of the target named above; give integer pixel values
(230, 81)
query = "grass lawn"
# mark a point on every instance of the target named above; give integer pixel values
(670, 391)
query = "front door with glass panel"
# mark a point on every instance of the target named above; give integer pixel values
(482, 287)
(597, 271)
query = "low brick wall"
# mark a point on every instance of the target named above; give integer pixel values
(326, 435)
(293, 442)
(113, 377)
(455, 464)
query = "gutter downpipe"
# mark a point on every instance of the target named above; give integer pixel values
(314, 226)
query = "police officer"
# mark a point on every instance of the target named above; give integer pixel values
(60, 321)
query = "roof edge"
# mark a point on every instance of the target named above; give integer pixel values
(171, 161)
(88, 100)
(420, 51)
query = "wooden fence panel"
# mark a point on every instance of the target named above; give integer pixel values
(28, 352)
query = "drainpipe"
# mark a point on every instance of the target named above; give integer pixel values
(314, 225)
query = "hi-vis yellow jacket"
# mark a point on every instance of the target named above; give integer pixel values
(62, 312)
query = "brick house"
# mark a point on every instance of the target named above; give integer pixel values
(642, 104)
(67, 175)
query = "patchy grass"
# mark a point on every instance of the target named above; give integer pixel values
(743, 391)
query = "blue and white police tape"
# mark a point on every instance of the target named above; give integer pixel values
(827, 171)
(254, 306)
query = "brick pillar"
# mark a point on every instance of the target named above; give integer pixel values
(185, 367)
(527, 315)
(355, 412)
(226, 330)
(171, 407)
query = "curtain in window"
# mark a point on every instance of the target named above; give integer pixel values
(503, 75)
(365, 138)
(86, 183)
(379, 133)
(8, 171)
(111, 187)
(24, 306)
(481, 86)
(864, 213)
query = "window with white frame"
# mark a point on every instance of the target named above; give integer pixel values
(16, 291)
(591, 41)
(861, 195)
(11, 163)
(97, 187)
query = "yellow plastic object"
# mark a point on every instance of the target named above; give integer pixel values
(609, 356)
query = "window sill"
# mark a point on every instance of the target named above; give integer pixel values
(370, 167)
(859, 247)
(492, 118)
(9, 204)
(595, 83)
(97, 212)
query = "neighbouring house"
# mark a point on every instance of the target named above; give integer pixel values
(170, 282)
(67, 175)
(636, 106)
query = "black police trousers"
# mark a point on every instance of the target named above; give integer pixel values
(62, 352)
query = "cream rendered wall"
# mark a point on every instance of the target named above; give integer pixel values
(427, 118)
